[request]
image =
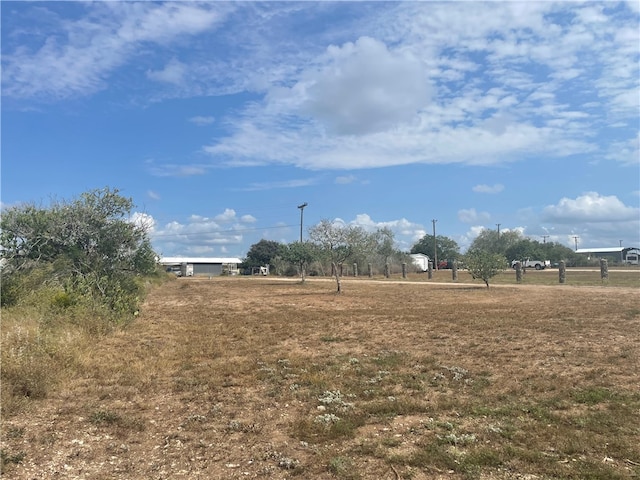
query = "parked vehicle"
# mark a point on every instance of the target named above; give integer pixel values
(421, 261)
(528, 263)
(186, 269)
(632, 258)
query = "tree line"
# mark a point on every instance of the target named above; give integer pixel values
(337, 248)
(88, 251)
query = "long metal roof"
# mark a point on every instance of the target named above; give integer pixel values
(604, 250)
(177, 260)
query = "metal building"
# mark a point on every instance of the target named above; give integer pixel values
(201, 266)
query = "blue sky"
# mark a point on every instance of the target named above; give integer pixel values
(219, 119)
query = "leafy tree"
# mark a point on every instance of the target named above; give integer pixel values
(484, 265)
(301, 254)
(447, 248)
(88, 246)
(494, 242)
(384, 240)
(338, 242)
(263, 253)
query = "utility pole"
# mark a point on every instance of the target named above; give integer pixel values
(435, 246)
(544, 238)
(301, 207)
(498, 225)
(575, 239)
(621, 259)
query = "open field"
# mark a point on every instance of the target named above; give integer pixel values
(262, 378)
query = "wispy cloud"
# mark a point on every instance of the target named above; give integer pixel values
(202, 121)
(80, 56)
(496, 188)
(295, 183)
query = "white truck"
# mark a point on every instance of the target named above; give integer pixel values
(528, 263)
(186, 269)
(421, 261)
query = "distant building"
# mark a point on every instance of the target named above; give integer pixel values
(627, 255)
(201, 266)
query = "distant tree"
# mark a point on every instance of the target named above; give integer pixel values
(88, 246)
(337, 242)
(526, 248)
(262, 253)
(484, 265)
(494, 242)
(384, 241)
(301, 255)
(447, 248)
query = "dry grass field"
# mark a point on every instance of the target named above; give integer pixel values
(264, 378)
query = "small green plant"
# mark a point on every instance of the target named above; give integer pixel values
(343, 468)
(104, 417)
(7, 458)
(593, 396)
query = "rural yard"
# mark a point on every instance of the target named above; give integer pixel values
(241, 377)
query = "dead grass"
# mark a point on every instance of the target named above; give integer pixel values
(261, 378)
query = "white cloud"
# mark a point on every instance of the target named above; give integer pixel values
(228, 216)
(153, 195)
(345, 179)
(143, 220)
(172, 170)
(590, 207)
(471, 216)
(496, 188)
(363, 87)
(626, 152)
(173, 72)
(406, 233)
(202, 121)
(295, 183)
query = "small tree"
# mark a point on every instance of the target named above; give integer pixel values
(335, 241)
(485, 265)
(301, 254)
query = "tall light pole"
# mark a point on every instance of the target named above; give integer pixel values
(544, 238)
(435, 246)
(575, 238)
(301, 207)
(498, 225)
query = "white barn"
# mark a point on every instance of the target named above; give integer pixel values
(204, 266)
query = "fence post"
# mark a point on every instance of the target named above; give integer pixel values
(386, 270)
(518, 272)
(562, 271)
(604, 269)
(454, 270)
(370, 271)
(404, 270)
(355, 269)
(430, 270)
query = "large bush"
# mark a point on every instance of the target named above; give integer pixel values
(87, 249)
